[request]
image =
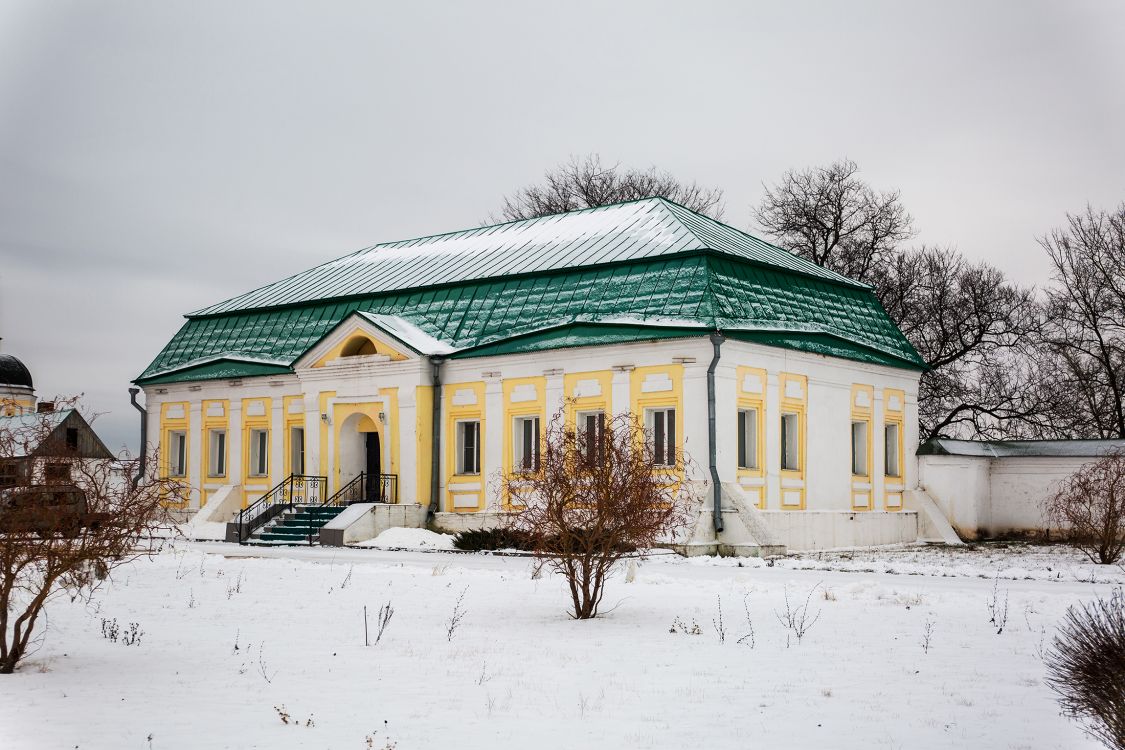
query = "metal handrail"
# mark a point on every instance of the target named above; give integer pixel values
(293, 490)
(356, 491)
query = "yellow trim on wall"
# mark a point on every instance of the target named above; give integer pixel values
(214, 422)
(641, 400)
(381, 347)
(168, 425)
(369, 411)
(862, 410)
(794, 396)
(575, 403)
(256, 422)
(536, 406)
(893, 500)
(289, 421)
(752, 395)
(453, 414)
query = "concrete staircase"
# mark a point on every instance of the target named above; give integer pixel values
(295, 526)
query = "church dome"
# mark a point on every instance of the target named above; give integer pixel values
(14, 372)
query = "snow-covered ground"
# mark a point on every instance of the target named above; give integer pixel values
(246, 648)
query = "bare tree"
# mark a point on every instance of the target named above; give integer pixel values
(594, 501)
(588, 183)
(973, 328)
(830, 216)
(977, 332)
(1086, 320)
(67, 537)
(1089, 508)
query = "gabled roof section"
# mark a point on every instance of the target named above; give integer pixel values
(39, 434)
(645, 229)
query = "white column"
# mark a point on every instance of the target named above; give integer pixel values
(726, 421)
(234, 442)
(773, 442)
(312, 437)
(553, 391)
(494, 426)
(695, 438)
(196, 469)
(277, 440)
(621, 399)
(403, 428)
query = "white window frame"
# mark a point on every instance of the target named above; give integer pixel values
(660, 426)
(791, 441)
(747, 444)
(892, 467)
(522, 442)
(177, 453)
(859, 452)
(465, 428)
(217, 447)
(259, 452)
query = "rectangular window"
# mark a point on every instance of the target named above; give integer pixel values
(72, 438)
(791, 442)
(890, 445)
(297, 450)
(468, 447)
(259, 453)
(217, 462)
(748, 438)
(9, 473)
(591, 436)
(661, 424)
(525, 443)
(177, 454)
(859, 449)
(56, 472)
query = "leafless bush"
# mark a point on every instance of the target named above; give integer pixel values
(717, 622)
(679, 626)
(748, 638)
(798, 620)
(998, 606)
(386, 612)
(456, 616)
(1089, 507)
(235, 587)
(72, 553)
(595, 499)
(927, 636)
(1086, 667)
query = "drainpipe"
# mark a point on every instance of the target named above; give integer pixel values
(144, 435)
(717, 490)
(435, 451)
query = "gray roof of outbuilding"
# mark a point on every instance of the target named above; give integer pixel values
(14, 372)
(1016, 448)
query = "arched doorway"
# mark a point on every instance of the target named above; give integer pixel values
(361, 452)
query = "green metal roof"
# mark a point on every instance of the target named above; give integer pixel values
(652, 298)
(623, 232)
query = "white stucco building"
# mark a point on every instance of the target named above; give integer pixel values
(412, 374)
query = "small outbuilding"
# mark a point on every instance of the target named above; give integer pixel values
(996, 488)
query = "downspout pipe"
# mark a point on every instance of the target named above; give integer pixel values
(712, 462)
(144, 436)
(435, 446)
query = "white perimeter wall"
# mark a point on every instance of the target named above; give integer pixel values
(988, 497)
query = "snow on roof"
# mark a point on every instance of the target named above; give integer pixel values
(408, 333)
(1017, 448)
(621, 232)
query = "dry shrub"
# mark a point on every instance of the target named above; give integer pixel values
(594, 500)
(42, 556)
(1089, 507)
(1086, 667)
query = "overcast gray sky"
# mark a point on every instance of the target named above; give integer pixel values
(158, 157)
